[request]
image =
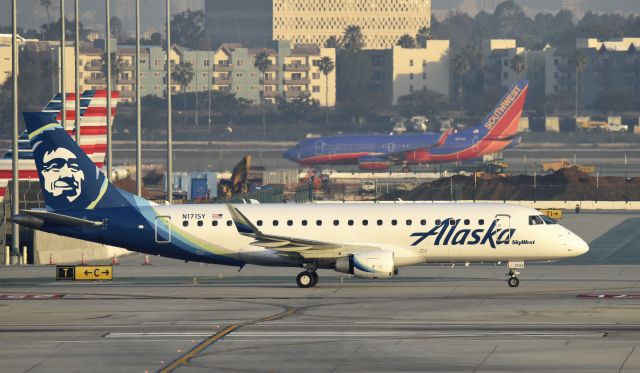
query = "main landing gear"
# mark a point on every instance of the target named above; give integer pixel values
(307, 279)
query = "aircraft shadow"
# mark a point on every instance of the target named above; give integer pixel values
(620, 245)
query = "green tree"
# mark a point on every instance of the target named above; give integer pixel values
(230, 107)
(326, 66)
(117, 66)
(353, 39)
(262, 63)
(579, 61)
(424, 34)
(406, 41)
(518, 64)
(333, 42)
(187, 30)
(460, 65)
(183, 75)
(116, 27)
(299, 108)
(47, 5)
(422, 102)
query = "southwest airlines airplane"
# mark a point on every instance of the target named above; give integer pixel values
(365, 240)
(379, 152)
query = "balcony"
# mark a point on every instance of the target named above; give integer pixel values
(296, 67)
(296, 94)
(219, 67)
(270, 82)
(222, 80)
(271, 93)
(94, 81)
(301, 81)
(91, 67)
(126, 81)
(272, 67)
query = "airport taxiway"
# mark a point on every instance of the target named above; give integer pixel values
(581, 315)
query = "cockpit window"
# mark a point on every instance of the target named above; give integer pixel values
(535, 220)
(548, 220)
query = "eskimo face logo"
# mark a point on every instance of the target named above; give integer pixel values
(61, 173)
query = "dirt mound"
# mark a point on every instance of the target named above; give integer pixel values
(569, 184)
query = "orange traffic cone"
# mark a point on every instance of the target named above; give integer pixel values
(146, 261)
(115, 261)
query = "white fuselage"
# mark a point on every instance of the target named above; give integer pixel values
(476, 232)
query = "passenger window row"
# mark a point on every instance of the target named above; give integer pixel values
(336, 222)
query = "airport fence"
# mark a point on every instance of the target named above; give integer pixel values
(523, 192)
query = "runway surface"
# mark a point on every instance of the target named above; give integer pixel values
(572, 316)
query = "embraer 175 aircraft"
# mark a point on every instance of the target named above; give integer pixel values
(365, 240)
(379, 152)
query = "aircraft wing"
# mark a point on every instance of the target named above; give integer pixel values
(36, 218)
(400, 155)
(309, 249)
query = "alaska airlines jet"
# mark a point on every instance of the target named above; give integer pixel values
(93, 128)
(379, 152)
(365, 240)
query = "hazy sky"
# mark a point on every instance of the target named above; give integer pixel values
(622, 6)
(31, 14)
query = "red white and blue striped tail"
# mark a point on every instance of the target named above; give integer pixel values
(93, 132)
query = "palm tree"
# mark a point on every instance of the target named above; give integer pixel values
(579, 61)
(183, 75)
(518, 64)
(406, 41)
(47, 5)
(326, 66)
(353, 38)
(461, 65)
(117, 66)
(262, 63)
(422, 36)
(332, 42)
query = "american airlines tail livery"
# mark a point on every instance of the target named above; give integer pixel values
(93, 130)
(379, 152)
(365, 240)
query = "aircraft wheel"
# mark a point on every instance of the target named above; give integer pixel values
(513, 282)
(406, 169)
(315, 278)
(305, 279)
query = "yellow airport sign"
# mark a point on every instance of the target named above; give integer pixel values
(85, 273)
(93, 273)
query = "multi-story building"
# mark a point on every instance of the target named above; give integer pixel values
(497, 55)
(611, 66)
(256, 23)
(400, 71)
(293, 72)
(421, 68)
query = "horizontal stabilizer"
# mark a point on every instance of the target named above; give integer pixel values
(37, 218)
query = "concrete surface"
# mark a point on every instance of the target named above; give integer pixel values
(570, 316)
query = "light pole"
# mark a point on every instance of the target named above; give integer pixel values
(138, 122)
(63, 63)
(169, 135)
(108, 62)
(77, 71)
(15, 193)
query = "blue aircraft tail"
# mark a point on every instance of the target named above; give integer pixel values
(69, 179)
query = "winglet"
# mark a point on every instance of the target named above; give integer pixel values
(244, 225)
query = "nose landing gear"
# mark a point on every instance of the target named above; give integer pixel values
(307, 279)
(513, 280)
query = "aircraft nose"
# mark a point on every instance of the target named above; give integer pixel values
(578, 246)
(290, 154)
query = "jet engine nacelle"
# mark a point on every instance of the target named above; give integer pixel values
(367, 264)
(372, 163)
